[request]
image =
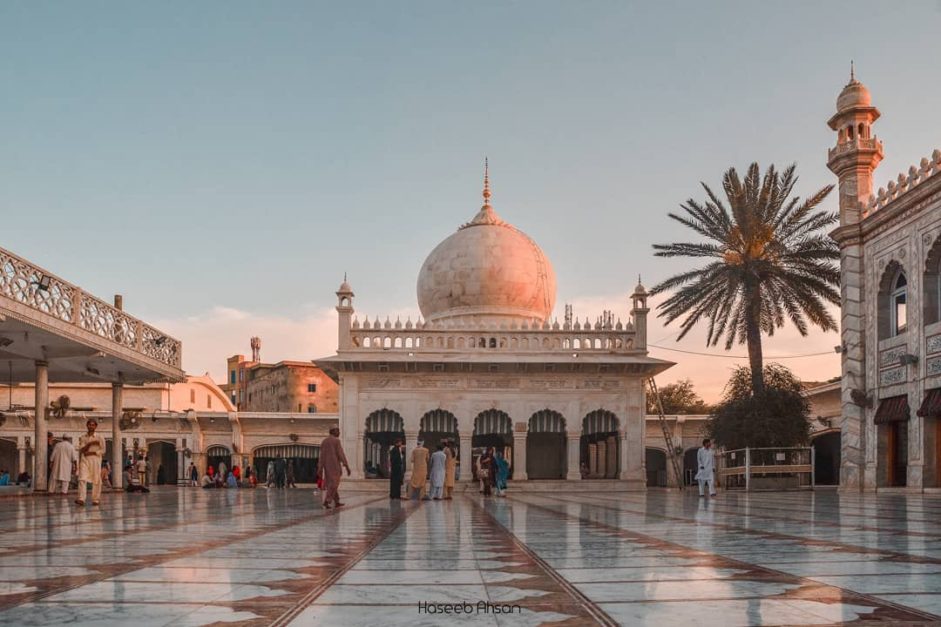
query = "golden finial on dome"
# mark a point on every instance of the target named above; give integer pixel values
(486, 182)
(852, 71)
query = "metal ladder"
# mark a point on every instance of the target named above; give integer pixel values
(667, 436)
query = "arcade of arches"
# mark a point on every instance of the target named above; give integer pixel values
(540, 448)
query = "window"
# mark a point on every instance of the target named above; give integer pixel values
(299, 408)
(311, 388)
(311, 409)
(232, 378)
(233, 399)
(192, 396)
(209, 401)
(898, 305)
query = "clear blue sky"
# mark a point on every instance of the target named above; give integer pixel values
(195, 155)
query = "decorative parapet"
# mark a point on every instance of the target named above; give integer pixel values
(905, 183)
(30, 285)
(436, 336)
(860, 143)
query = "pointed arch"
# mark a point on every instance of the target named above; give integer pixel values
(893, 301)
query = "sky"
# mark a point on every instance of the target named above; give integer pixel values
(223, 164)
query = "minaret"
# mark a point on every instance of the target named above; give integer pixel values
(345, 311)
(640, 311)
(853, 159)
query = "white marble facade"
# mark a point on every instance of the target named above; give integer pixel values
(890, 244)
(487, 346)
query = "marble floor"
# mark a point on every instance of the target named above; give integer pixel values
(185, 556)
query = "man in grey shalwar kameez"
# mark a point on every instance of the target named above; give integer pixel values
(439, 462)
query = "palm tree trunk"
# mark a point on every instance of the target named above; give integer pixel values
(753, 338)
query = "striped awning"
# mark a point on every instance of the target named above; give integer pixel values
(303, 451)
(439, 421)
(547, 421)
(217, 451)
(599, 421)
(385, 420)
(892, 409)
(931, 406)
(492, 421)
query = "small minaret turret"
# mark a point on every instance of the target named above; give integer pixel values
(640, 311)
(857, 152)
(345, 311)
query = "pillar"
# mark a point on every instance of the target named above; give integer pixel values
(181, 477)
(40, 448)
(21, 464)
(519, 456)
(622, 455)
(117, 448)
(467, 457)
(573, 441)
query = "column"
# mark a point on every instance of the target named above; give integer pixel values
(40, 447)
(21, 450)
(574, 471)
(117, 452)
(467, 458)
(519, 456)
(622, 455)
(181, 477)
(411, 440)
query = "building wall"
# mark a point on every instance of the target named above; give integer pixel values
(286, 387)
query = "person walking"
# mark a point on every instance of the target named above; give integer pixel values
(63, 461)
(269, 474)
(439, 462)
(106, 475)
(502, 473)
(194, 475)
(397, 469)
(486, 473)
(706, 458)
(91, 448)
(332, 459)
(419, 464)
(289, 477)
(142, 470)
(450, 469)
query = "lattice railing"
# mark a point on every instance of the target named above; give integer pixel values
(32, 286)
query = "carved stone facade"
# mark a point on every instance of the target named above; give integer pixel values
(891, 330)
(488, 367)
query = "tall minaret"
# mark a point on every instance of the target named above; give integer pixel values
(345, 311)
(853, 159)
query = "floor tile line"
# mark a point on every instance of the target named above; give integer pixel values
(596, 612)
(866, 599)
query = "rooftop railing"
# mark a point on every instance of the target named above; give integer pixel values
(44, 292)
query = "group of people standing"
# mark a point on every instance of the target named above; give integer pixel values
(85, 460)
(438, 469)
(280, 474)
(493, 470)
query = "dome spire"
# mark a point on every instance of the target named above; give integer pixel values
(486, 182)
(852, 71)
(486, 215)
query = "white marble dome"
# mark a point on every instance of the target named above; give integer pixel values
(488, 271)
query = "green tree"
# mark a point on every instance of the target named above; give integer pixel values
(678, 398)
(777, 416)
(771, 260)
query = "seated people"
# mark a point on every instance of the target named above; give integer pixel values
(132, 480)
(231, 481)
(23, 479)
(206, 482)
(4, 477)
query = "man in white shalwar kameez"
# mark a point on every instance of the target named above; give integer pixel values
(439, 462)
(91, 448)
(706, 458)
(63, 465)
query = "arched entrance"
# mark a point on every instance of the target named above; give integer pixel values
(493, 428)
(690, 465)
(826, 457)
(304, 457)
(438, 425)
(216, 455)
(656, 464)
(545, 446)
(383, 426)
(599, 445)
(163, 463)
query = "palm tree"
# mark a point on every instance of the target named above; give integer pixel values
(769, 262)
